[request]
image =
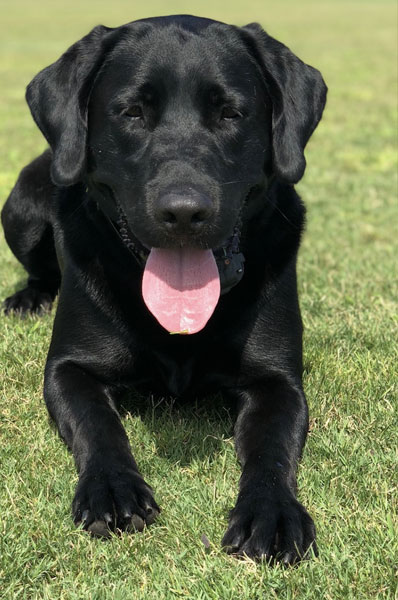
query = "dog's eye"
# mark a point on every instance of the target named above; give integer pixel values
(134, 112)
(228, 113)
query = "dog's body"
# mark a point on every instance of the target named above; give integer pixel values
(184, 135)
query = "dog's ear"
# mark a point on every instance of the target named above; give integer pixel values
(58, 98)
(298, 97)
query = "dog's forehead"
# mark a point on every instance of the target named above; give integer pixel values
(214, 52)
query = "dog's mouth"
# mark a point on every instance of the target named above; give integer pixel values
(181, 287)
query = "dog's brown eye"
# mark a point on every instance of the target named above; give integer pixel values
(228, 113)
(134, 112)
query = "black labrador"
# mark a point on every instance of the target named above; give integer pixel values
(164, 212)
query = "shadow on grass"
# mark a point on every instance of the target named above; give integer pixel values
(183, 431)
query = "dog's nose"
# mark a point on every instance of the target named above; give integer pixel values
(182, 211)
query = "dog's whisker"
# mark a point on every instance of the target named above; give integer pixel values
(285, 217)
(237, 181)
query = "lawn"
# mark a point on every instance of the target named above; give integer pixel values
(348, 281)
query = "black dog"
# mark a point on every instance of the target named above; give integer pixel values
(167, 203)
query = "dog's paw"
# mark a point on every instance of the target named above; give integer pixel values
(277, 529)
(118, 500)
(28, 300)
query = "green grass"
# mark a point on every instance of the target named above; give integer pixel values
(348, 280)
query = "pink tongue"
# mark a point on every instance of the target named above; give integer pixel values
(181, 288)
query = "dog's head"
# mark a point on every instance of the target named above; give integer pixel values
(173, 121)
(179, 117)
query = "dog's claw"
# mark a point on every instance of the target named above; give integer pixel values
(99, 529)
(136, 524)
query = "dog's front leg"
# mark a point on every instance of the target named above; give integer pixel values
(270, 432)
(111, 492)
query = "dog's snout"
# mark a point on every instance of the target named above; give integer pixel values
(181, 211)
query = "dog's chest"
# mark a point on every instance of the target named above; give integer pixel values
(184, 374)
(174, 375)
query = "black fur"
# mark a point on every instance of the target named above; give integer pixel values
(201, 114)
